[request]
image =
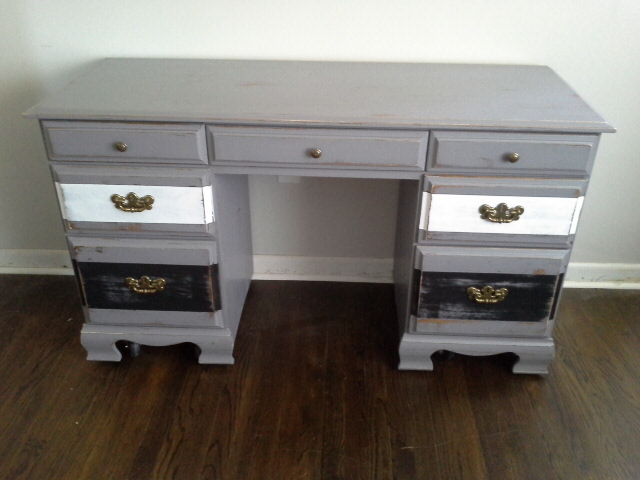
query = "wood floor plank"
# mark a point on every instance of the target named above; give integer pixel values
(314, 394)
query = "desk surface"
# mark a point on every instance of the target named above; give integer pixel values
(360, 94)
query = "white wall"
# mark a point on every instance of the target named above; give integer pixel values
(593, 44)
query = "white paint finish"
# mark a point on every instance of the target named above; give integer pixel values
(83, 202)
(576, 216)
(460, 214)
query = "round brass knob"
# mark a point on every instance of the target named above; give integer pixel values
(513, 157)
(315, 152)
(121, 146)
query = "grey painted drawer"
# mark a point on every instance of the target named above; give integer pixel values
(127, 142)
(148, 282)
(454, 152)
(486, 291)
(169, 199)
(335, 148)
(500, 210)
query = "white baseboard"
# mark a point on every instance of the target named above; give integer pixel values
(603, 275)
(337, 269)
(37, 262)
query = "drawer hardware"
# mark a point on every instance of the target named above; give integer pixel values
(145, 285)
(315, 152)
(487, 294)
(132, 203)
(501, 214)
(512, 157)
(121, 146)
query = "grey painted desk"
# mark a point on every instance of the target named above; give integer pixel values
(150, 160)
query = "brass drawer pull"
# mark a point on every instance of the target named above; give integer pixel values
(501, 214)
(512, 157)
(121, 146)
(315, 152)
(132, 203)
(487, 294)
(145, 285)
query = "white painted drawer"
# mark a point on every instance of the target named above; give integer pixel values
(535, 211)
(485, 153)
(182, 198)
(318, 147)
(127, 142)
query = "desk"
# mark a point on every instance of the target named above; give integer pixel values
(150, 159)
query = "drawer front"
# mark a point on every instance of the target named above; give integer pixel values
(504, 211)
(156, 282)
(452, 152)
(486, 291)
(171, 200)
(316, 147)
(95, 141)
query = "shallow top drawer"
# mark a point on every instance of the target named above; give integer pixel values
(318, 147)
(135, 142)
(504, 153)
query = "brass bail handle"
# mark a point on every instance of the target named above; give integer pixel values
(487, 294)
(501, 213)
(145, 285)
(132, 203)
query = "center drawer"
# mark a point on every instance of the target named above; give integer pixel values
(479, 210)
(135, 198)
(148, 282)
(319, 147)
(486, 291)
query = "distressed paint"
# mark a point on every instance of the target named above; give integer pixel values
(460, 213)
(84, 202)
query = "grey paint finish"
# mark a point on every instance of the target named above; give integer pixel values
(406, 226)
(486, 153)
(216, 345)
(534, 354)
(131, 175)
(95, 141)
(388, 95)
(493, 260)
(337, 148)
(231, 197)
(475, 111)
(148, 250)
(524, 187)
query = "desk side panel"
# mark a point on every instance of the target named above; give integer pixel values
(235, 253)
(406, 227)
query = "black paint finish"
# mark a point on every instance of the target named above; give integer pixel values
(444, 296)
(189, 288)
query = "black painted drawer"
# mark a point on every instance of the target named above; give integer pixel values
(486, 291)
(148, 282)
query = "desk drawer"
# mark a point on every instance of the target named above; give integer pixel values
(500, 210)
(136, 142)
(452, 152)
(155, 282)
(169, 200)
(486, 291)
(317, 147)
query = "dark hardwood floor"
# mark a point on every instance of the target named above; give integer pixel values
(314, 394)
